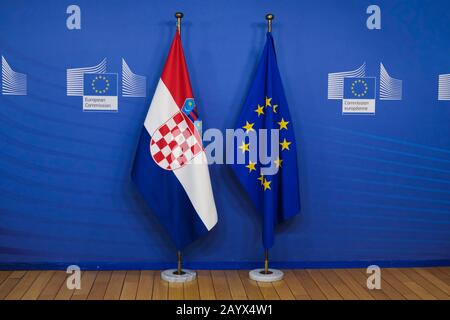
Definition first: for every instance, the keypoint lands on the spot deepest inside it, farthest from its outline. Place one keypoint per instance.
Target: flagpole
(266, 274)
(269, 18)
(178, 274)
(179, 16)
(266, 262)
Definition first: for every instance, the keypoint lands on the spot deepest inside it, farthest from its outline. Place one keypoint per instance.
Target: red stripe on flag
(175, 74)
(176, 78)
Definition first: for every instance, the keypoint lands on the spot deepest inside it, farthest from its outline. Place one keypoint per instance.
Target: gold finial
(269, 18)
(179, 16)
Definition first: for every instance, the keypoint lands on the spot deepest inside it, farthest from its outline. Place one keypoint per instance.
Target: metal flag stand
(178, 274)
(267, 274)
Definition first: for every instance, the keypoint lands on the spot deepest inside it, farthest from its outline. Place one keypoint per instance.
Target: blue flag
(275, 196)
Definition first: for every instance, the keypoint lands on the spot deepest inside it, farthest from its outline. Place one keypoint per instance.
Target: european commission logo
(359, 95)
(358, 92)
(100, 90)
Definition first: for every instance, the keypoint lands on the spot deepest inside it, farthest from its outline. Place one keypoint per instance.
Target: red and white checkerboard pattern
(173, 144)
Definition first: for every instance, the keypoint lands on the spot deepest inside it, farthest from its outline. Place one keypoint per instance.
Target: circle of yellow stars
(94, 82)
(359, 82)
(284, 145)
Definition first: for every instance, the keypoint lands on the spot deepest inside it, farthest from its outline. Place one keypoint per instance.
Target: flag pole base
(171, 275)
(272, 275)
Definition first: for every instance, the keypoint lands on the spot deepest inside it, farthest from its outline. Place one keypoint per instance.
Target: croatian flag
(170, 167)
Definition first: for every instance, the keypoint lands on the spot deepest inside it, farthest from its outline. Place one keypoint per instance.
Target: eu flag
(359, 88)
(100, 84)
(275, 196)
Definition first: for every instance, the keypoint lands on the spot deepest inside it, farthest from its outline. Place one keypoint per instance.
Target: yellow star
(285, 145)
(251, 166)
(266, 184)
(283, 124)
(278, 162)
(268, 102)
(259, 110)
(275, 106)
(248, 126)
(261, 178)
(245, 147)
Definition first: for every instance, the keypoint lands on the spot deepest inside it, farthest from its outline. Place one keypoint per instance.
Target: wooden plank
(360, 291)
(18, 274)
(221, 288)
(53, 286)
(297, 289)
(398, 273)
(283, 290)
(205, 285)
(130, 285)
(145, 286)
(398, 285)
(100, 285)
(191, 290)
(425, 283)
(7, 286)
(408, 282)
(115, 284)
(421, 292)
(340, 286)
(64, 293)
(175, 291)
(430, 277)
(23, 285)
(160, 288)
(324, 285)
(310, 286)
(440, 275)
(87, 280)
(446, 270)
(251, 287)
(38, 285)
(390, 290)
(235, 284)
(268, 291)
(360, 276)
(4, 275)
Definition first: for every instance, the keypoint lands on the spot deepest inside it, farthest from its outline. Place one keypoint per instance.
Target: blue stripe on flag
(166, 197)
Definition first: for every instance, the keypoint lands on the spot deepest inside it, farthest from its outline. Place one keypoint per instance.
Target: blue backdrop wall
(373, 188)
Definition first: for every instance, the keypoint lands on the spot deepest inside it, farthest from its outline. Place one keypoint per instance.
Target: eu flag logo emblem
(100, 84)
(100, 92)
(359, 95)
(359, 88)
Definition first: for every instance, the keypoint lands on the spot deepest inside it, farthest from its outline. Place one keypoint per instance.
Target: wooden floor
(337, 284)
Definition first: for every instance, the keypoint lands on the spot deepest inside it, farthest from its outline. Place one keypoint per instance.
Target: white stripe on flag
(162, 108)
(194, 176)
